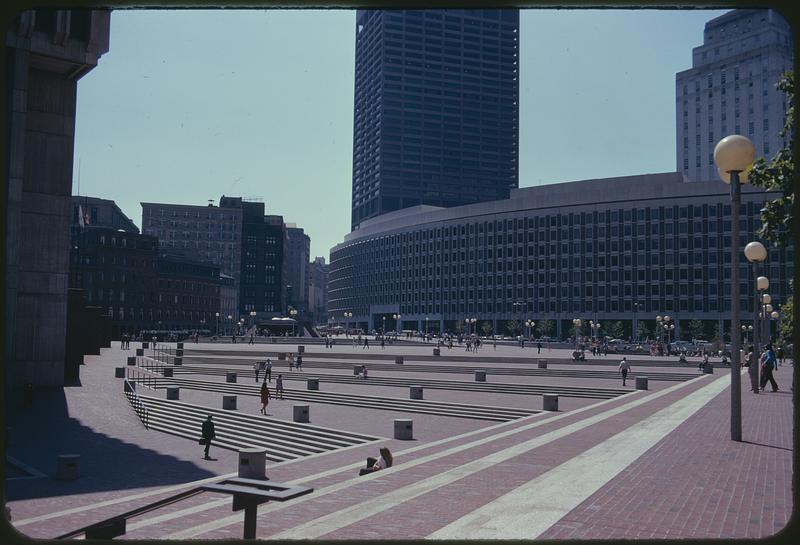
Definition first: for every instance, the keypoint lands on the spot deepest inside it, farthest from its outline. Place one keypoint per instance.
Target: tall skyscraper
(297, 256)
(730, 88)
(436, 109)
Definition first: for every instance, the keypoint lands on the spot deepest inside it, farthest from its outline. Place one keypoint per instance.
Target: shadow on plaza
(38, 433)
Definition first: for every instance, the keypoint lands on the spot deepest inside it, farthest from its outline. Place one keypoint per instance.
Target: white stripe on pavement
(529, 510)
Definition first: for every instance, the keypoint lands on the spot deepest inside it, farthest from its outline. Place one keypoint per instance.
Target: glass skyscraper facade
(436, 114)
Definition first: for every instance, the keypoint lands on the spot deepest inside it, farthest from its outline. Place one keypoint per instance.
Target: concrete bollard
(415, 392)
(398, 360)
(541, 364)
(253, 463)
(68, 467)
(128, 386)
(281, 355)
(177, 361)
(403, 429)
(131, 360)
(173, 393)
(230, 377)
(550, 402)
(356, 369)
(480, 376)
(140, 352)
(300, 413)
(312, 384)
(179, 346)
(119, 372)
(167, 371)
(641, 383)
(145, 344)
(179, 353)
(229, 403)
(436, 352)
(708, 369)
(301, 349)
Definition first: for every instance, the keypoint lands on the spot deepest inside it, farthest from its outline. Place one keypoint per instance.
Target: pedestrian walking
(279, 387)
(233, 338)
(366, 343)
(299, 364)
(264, 397)
(268, 369)
(779, 355)
(383, 343)
(624, 367)
(751, 364)
(207, 433)
(290, 358)
(704, 362)
(252, 338)
(768, 364)
(256, 369)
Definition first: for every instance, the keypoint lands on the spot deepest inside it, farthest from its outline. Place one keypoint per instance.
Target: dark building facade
(436, 108)
(47, 52)
(318, 290)
(101, 213)
(263, 242)
(117, 271)
(188, 295)
(622, 249)
(297, 256)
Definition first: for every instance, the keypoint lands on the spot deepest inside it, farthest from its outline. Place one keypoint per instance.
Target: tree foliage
(486, 328)
(545, 327)
(615, 329)
(642, 331)
(696, 329)
(513, 327)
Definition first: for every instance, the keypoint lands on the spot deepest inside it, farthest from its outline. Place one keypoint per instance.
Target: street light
(756, 254)
(530, 324)
(745, 330)
(734, 155)
(384, 325)
(577, 323)
(347, 316)
(636, 321)
(595, 327)
(396, 320)
(426, 328)
(229, 324)
(293, 313)
(660, 327)
(469, 322)
(216, 331)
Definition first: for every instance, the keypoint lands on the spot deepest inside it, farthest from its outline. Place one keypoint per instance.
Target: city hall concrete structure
(590, 249)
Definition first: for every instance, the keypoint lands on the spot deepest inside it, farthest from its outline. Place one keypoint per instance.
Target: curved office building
(619, 249)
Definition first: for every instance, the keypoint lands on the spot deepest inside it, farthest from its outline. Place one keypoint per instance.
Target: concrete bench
(253, 463)
(300, 413)
(641, 383)
(119, 372)
(230, 377)
(229, 403)
(541, 364)
(480, 376)
(550, 402)
(68, 467)
(404, 429)
(415, 392)
(312, 384)
(173, 393)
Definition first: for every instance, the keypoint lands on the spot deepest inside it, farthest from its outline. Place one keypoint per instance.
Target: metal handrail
(136, 402)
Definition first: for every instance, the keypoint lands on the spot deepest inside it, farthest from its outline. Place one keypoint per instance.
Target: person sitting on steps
(383, 462)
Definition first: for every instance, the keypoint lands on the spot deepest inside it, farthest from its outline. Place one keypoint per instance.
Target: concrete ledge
(173, 393)
(300, 413)
(541, 364)
(68, 467)
(641, 383)
(253, 463)
(230, 377)
(480, 376)
(404, 429)
(229, 403)
(415, 392)
(550, 402)
(119, 372)
(312, 384)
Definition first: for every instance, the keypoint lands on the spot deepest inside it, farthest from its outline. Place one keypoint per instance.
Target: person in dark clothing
(386, 460)
(208, 434)
(279, 387)
(538, 348)
(768, 363)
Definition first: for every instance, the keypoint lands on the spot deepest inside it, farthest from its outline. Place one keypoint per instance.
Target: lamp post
(733, 155)
(745, 330)
(383, 331)
(426, 328)
(347, 316)
(766, 308)
(660, 327)
(635, 332)
(293, 314)
(396, 322)
(216, 330)
(775, 316)
(755, 254)
(577, 323)
(253, 314)
(530, 324)
(667, 326)
(595, 327)
(469, 322)
(229, 324)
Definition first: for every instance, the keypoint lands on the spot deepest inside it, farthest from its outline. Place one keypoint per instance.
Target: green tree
(545, 327)
(486, 328)
(696, 329)
(513, 326)
(459, 326)
(642, 331)
(786, 325)
(615, 329)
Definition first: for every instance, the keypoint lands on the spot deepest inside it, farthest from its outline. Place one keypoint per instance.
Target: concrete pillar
(541, 364)
(173, 393)
(708, 369)
(119, 372)
(641, 383)
(167, 371)
(403, 429)
(253, 463)
(179, 346)
(550, 402)
(145, 345)
(229, 403)
(398, 359)
(230, 377)
(312, 384)
(437, 352)
(300, 413)
(179, 353)
(68, 467)
(131, 360)
(415, 392)
(140, 352)
(480, 376)
(301, 349)
(177, 361)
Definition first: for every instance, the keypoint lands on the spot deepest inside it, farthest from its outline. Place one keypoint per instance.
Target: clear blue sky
(190, 105)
